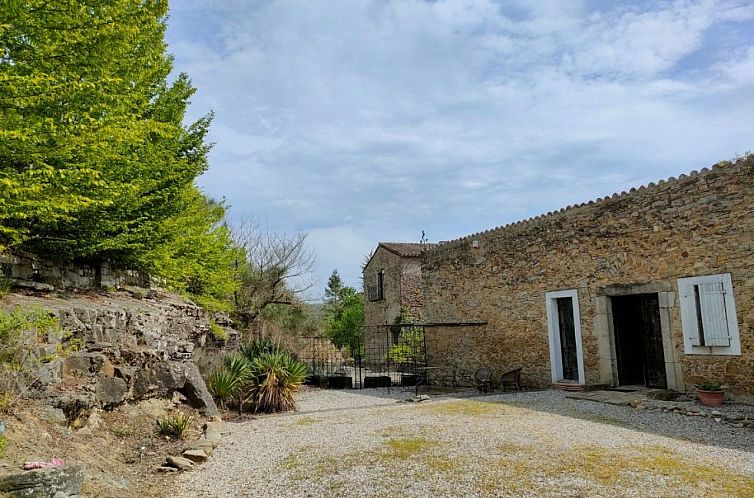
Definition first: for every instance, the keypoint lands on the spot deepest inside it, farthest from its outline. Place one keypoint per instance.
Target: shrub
(223, 386)
(217, 331)
(2, 445)
(22, 331)
(262, 374)
(257, 347)
(174, 426)
(277, 377)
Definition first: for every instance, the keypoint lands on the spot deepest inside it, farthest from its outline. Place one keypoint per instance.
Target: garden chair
(511, 378)
(483, 379)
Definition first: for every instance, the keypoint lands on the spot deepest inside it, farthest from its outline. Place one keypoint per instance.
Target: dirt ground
(120, 449)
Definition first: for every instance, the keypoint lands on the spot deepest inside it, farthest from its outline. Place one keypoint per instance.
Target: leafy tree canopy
(95, 161)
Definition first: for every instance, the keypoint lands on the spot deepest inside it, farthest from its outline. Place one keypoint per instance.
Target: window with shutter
(708, 315)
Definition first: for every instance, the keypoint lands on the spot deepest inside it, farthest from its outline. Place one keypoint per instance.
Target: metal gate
(385, 356)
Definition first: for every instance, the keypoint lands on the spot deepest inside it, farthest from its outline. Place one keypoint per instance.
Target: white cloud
(367, 120)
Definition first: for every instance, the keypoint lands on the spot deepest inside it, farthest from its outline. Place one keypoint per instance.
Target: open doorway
(638, 340)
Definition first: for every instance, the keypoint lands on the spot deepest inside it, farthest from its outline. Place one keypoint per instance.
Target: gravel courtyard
(351, 443)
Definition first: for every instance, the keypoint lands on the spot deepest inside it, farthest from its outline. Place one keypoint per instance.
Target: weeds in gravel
(405, 448)
(466, 407)
(305, 422)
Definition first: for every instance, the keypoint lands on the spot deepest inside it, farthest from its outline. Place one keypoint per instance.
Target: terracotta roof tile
(405, 249)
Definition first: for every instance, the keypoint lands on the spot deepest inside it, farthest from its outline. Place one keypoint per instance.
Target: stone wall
(383, 311)
(411, 294)
(130, 348)
(645, 239)
(25, 270)
(380, 313)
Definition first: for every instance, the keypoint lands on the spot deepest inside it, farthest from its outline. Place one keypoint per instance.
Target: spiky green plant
(174, 426)
(257, 347)
(223, 385)
(277, 378)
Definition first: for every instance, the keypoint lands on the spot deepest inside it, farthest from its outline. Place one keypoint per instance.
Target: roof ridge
(623, 194)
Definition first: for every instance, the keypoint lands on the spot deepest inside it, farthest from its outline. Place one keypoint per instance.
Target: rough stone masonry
(634, 242)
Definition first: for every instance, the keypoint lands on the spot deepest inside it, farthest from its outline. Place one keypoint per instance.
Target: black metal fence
(386, 356)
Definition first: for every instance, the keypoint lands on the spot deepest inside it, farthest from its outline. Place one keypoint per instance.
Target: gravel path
(364, 443)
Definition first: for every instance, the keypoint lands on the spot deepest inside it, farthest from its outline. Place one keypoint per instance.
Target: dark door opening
(567, 339)
(638, 340)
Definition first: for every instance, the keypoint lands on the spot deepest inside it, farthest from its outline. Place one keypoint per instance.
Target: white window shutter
(688, 313)
(714, 317)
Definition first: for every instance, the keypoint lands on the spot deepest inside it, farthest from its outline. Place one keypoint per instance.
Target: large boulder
(110, 391)
(196, 391)
(43, 483)
(159, 379)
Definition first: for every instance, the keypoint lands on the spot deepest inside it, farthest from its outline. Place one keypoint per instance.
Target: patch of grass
(466, 407)
(528, 470)
(305, 421)
(441, 464)
(292, 462)
(405, 448)
(122, 431)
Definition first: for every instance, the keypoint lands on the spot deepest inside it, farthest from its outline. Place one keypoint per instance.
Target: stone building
(650, 287)
(392, 279)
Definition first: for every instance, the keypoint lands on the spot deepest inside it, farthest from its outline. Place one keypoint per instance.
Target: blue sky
(360, 121)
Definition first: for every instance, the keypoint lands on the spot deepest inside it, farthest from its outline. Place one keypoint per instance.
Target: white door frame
(553, 326)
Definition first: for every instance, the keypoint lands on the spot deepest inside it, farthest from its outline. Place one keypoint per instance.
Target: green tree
(95, 161)
(344, 314)
(334, 288)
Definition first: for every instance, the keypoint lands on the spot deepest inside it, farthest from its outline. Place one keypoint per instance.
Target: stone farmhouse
(392, 291)
(651, 287)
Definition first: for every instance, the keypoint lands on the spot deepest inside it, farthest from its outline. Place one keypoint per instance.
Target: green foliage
(3, 445)
(410, 346)
(277, 377)
(175, 425)
(257, 347)
(230, 381)
(410, 340)
(262, 374)
(22, 332)
(223, 386)
(344, 319)
(5, 285)
(217, 331)
(710, 386)
(95, 160)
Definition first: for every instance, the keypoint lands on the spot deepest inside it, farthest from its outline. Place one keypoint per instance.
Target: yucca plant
(257, 347)
(277, 378)
(174, 426)
(223, 385)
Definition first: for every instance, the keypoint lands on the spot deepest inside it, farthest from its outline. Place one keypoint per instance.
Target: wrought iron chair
(511, 378)
(483, 379)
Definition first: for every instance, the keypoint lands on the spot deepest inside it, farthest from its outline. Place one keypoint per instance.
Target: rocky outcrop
(55, 482)
(129, 349)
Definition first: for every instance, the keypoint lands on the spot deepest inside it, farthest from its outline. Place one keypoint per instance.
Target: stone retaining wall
(25, 268)
(640, 241)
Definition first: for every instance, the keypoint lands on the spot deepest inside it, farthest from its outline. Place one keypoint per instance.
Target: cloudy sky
(360, 121)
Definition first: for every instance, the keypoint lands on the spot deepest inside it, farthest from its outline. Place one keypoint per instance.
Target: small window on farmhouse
(376, 286)
(708, 315)
(381, 285)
